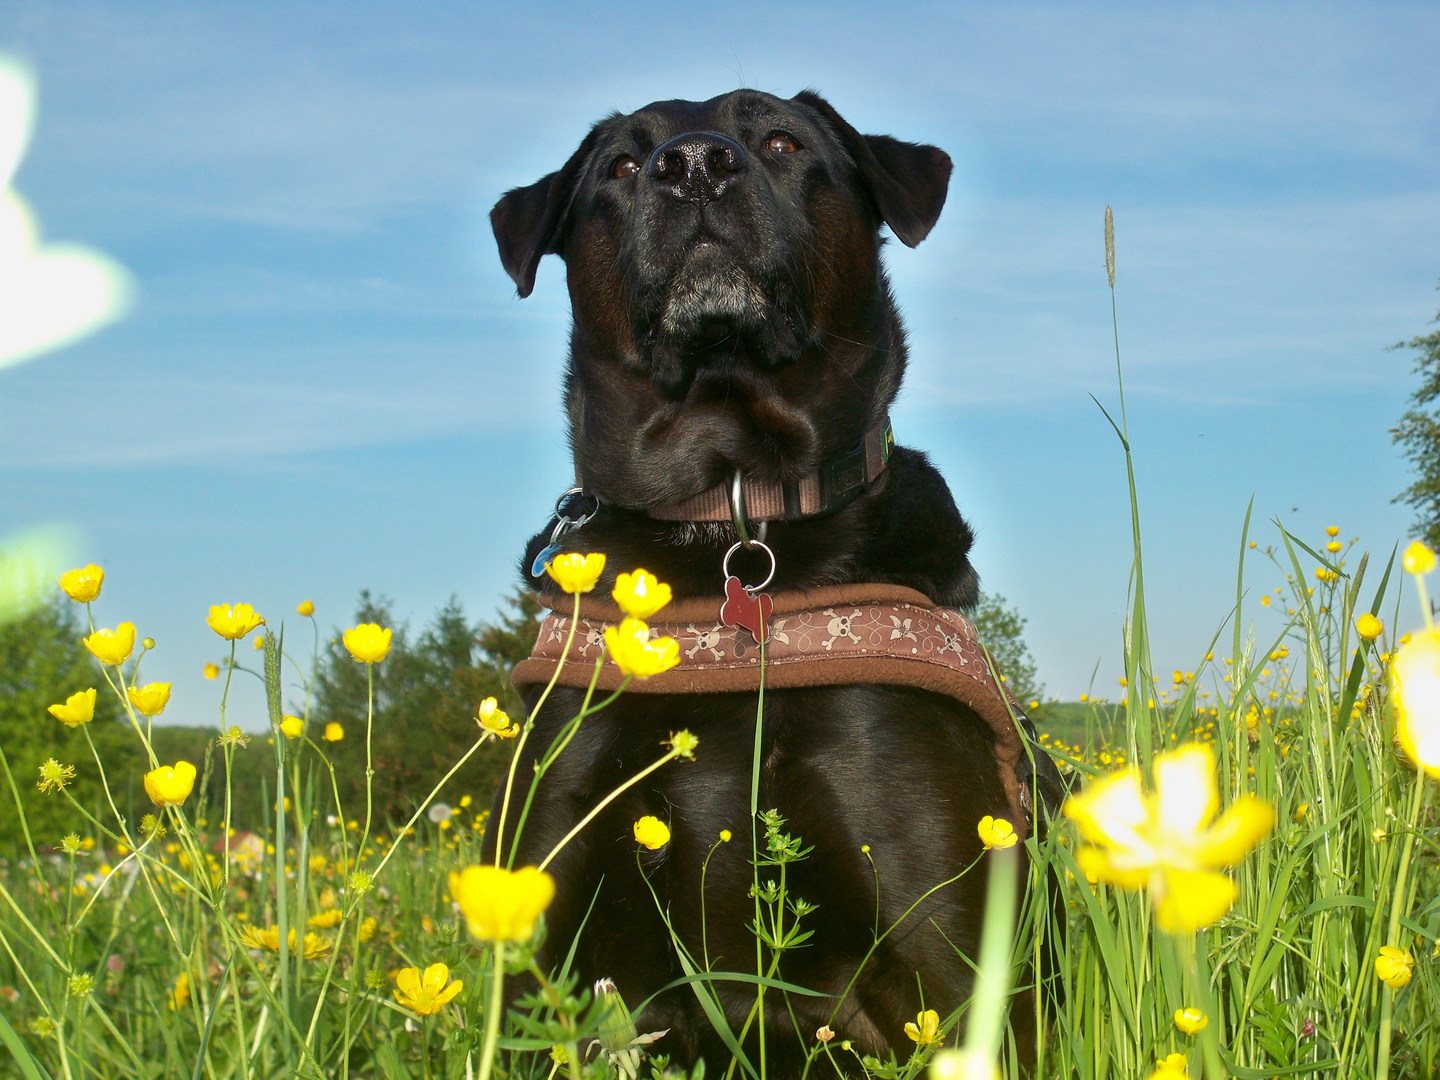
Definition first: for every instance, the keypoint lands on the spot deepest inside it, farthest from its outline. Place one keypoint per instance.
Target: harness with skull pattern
(833, 636)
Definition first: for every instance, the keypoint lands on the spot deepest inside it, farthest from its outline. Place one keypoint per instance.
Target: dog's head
(730, 306)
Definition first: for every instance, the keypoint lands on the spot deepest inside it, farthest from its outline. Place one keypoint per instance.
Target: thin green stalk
(492, 1018)
(525, 733)
(991, 997)
(580, 825)
(562, 740)
(1392, 938)
(369, 762)
(755, 760)
(25, 830)
(421, 808)
(282, 910)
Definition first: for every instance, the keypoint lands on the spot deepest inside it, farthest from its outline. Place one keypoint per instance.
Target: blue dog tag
(548, 552)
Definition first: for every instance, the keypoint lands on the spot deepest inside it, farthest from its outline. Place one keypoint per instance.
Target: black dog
(731, 311)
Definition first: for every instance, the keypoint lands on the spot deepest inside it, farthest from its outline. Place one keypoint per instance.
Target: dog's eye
(626, 166)
(781, 143)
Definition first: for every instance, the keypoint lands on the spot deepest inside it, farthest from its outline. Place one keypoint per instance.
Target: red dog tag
(750, 612)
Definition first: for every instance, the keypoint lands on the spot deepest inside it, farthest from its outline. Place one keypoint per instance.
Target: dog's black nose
(698, 166)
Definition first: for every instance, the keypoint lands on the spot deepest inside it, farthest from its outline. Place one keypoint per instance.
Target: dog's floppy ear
(529, 222)
(908, 181)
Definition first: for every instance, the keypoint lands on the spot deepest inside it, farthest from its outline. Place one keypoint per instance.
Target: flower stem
(562, 740)
(671, 756)
(1397, 903)
(525, 734)
(492, 1020)
(422, 807)
(369, 763)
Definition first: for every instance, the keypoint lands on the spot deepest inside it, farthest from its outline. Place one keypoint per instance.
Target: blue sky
(327, 383)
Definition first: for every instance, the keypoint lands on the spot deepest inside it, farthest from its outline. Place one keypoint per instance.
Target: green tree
(1419, 433)
(42, 662)
(426, 694)
(1002, 631)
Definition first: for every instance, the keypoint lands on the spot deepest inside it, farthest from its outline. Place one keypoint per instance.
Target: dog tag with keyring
(745, 605)
(564, 523)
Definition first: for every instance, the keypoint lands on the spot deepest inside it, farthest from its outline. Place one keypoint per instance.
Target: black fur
(731, 311)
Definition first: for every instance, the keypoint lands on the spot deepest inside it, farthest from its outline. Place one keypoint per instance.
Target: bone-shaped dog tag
(742, 609)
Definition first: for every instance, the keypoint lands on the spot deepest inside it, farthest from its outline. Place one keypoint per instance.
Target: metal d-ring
(563, 521)
(725, 563)
(737, 513)
(575, 523)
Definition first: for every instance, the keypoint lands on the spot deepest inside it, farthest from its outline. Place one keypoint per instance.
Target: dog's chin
(703, 307)
(712, 323)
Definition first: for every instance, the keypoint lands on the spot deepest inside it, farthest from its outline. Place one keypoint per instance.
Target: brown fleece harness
(834, 636)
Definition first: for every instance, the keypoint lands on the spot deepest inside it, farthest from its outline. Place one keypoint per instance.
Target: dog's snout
(698, 166)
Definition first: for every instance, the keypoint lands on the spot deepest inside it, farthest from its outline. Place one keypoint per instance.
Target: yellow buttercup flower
(925, 1031)
(1394, 966)
(996, 833)
(368, 643)
(1418, 558)
(640, 594)
(334, 732)
(151, 699)
(493, 719)
(1191, 1021)
(112, 647)
(255, 937)
(170, 785)
(1333, 546)
(305, 608)
(1171, 1067)
(1415, 688)
(212, 671)
(78, 709)
(327, 920)
(500, 904)
(1168, 841)
(292, 727)
(634, 653)
(83, 585)
(652, 832)
(259, 643)
(426, 994)
(180, 992)
(269, 939)
(1369, 627)
(1332, 530)
(233, 621)
(576, 573)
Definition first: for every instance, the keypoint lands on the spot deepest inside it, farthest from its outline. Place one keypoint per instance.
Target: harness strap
(835, 636)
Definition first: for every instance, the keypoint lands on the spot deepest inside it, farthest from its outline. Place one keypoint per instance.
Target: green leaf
(1242, 1073)
(29, 1067)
